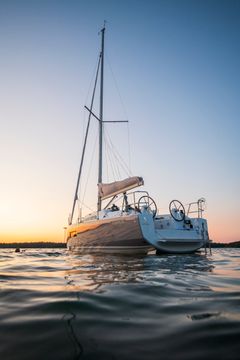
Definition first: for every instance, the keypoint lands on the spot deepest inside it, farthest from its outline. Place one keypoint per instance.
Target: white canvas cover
(118, 187)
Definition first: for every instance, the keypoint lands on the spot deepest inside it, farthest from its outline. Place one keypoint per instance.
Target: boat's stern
(167, 235)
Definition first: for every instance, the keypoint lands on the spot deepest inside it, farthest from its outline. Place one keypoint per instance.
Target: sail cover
(118, 187)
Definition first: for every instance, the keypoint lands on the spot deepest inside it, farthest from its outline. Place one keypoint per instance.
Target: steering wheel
(177, 210)
(148, 203)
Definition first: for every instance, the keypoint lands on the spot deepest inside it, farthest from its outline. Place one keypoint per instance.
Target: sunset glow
(177, 69)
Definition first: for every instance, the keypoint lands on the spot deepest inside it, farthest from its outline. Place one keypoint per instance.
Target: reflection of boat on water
(98, 272)
(133, 225)
(92, 272)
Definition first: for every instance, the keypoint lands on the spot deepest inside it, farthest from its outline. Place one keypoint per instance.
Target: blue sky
(176, 65)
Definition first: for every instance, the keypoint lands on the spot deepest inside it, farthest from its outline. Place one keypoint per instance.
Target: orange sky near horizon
(220, 229)
(177, 70)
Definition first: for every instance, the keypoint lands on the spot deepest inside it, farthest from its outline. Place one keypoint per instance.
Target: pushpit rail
(196, 207)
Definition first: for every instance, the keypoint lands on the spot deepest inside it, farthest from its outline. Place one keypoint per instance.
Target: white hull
(176, 240)
(179, 246)
(136, 234)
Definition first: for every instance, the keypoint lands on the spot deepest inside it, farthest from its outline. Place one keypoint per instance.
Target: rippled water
(58, 306)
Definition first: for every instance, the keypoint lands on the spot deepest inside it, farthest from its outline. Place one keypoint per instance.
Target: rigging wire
(123, 107)
(115, 158)
(113, 164)
(93, 79)
(95, 71)
(117, 155)
(84, 146)
(90, 168)
(116, 85)
(106, 157)
(88, 207)
(129, 149)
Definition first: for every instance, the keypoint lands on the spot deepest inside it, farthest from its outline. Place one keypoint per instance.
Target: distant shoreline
(235, 244)
(33, 245)
(54, 245)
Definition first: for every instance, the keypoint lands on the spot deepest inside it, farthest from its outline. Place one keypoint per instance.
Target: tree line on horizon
(39, 244)
(42, 244)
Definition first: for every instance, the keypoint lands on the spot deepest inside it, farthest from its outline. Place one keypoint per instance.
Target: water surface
(55, 305)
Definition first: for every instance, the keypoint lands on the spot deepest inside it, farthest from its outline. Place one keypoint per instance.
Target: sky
(172, 71)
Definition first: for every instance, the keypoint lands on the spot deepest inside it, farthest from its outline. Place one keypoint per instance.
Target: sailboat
(134, 226)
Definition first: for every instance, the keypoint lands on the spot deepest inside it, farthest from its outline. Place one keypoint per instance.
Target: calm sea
(58, 306)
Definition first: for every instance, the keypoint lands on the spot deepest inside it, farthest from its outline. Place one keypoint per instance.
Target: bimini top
(117, 187)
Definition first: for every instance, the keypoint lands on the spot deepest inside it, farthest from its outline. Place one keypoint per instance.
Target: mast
(101, 118)
(101, 121)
